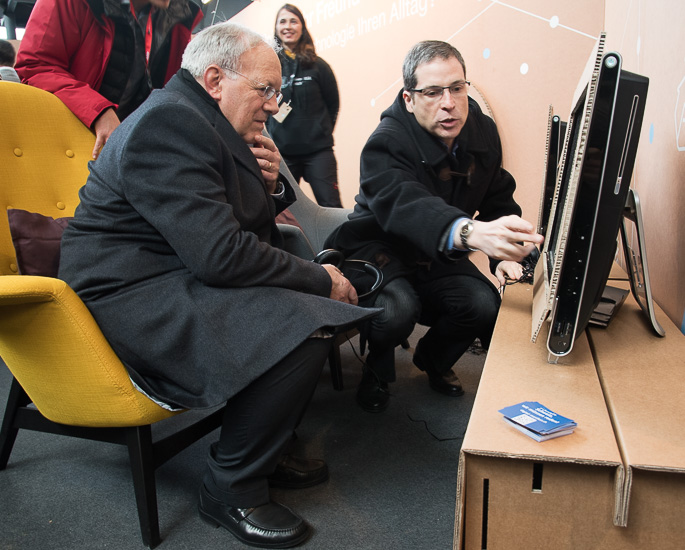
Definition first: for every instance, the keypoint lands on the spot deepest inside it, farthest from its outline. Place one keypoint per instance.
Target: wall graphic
(649, 37)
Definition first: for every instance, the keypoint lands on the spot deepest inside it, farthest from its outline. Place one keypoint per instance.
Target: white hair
(222, 44)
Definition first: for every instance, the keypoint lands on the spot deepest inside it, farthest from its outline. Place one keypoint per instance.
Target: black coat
(171, 250)
(412, 190)
(313, 95)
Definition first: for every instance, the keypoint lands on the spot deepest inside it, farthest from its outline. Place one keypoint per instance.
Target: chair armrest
(23, 289)
(55, 349)
(295, 241)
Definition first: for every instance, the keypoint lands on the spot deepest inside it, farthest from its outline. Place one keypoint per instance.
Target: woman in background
(303, 128)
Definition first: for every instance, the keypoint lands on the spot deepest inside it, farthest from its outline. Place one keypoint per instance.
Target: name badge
(283, 112)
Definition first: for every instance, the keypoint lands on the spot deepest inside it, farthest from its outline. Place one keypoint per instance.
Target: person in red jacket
(103, 57)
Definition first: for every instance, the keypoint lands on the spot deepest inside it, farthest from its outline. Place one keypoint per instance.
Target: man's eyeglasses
(434, 93)
(267, 91)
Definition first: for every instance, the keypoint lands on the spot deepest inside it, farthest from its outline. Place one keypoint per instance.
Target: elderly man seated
(175, 251)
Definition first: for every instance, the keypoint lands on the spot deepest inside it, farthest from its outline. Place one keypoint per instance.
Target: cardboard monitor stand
(556, 131)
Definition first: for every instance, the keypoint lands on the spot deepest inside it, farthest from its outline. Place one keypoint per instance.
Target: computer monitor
(556, 130)
(592, 185)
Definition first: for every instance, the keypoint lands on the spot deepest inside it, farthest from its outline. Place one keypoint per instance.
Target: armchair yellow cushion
(56, 351)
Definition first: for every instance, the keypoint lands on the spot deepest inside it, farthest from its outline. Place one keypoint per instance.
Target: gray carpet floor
(392, 484)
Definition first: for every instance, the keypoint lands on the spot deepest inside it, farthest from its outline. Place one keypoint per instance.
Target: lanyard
(148, 32)
(289, 65)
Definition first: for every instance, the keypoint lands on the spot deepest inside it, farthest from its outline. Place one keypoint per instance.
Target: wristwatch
(464, 231)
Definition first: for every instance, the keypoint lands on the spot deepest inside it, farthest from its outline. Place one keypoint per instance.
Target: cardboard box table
(590, 489)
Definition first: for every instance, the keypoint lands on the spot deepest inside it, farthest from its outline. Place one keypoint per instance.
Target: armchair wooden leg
(8, 434)
(140, 451)
(335, 364)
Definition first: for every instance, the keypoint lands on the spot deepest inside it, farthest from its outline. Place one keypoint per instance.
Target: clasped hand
(341, 289)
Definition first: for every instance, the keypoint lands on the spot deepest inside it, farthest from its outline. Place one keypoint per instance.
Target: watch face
(466, 230)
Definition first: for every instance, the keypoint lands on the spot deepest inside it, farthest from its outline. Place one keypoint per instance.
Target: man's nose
(447, 101)
(271, 105)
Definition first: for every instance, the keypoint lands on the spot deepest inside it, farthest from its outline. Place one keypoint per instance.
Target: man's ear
(212, 78)
(408, 102)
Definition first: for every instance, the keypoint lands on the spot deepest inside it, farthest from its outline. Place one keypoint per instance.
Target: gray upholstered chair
(316, 223)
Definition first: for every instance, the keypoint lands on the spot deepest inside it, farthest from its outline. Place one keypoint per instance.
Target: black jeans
(258, 426)
(320, 170)
(458, 308)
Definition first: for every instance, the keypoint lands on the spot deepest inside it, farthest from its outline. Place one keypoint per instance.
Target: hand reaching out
(501, 238)
(103, 127)
(507, 270)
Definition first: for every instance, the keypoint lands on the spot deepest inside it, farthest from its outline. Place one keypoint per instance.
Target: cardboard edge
(622, 503)
(540, 308)
(662, 469)
(624, 486)
(541, 458)
(460, 503)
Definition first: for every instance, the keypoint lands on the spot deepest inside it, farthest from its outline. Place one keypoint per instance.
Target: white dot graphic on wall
(486, 53)
(554, 22)
(524, 68)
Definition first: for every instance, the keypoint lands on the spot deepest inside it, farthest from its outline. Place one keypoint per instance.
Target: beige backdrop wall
(522, 55)
(651, 41)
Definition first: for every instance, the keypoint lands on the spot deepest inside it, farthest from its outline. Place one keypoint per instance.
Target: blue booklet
(537, 419)
(536, 436)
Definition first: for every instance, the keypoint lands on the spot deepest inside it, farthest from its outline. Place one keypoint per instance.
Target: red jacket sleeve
(64, 51)
(180, 37)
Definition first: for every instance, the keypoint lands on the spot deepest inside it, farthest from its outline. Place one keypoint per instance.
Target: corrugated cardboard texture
(517, 370)
(643, 376)
(570, 508)
(633, 381)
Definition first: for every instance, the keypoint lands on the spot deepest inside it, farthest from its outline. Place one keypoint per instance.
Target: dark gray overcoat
(174, 250)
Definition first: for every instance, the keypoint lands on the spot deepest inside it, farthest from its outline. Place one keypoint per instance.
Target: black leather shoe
(271, 525)
(372, 394)
(297, 473)
(446, 384)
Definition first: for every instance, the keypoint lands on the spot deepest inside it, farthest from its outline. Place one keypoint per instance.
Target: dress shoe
(372, 394)
(271, 525)
(297, 473)
(447, 384)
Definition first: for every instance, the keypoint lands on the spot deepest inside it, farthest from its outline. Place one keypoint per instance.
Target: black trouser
(320, 170)
(458, 308)
(258, 426)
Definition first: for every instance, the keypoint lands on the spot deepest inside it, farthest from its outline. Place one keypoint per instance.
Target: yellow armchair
(59, 358)
(42, 319)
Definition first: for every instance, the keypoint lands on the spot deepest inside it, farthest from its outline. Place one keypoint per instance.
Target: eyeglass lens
(436, 92)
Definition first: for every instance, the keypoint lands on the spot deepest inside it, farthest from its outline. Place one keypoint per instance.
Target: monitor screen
(592, 185)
